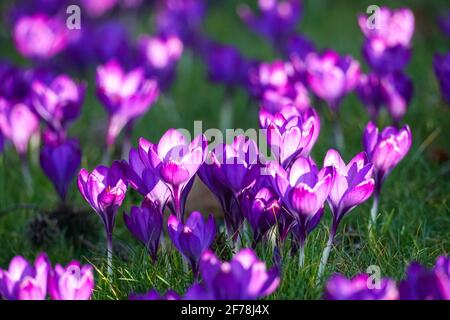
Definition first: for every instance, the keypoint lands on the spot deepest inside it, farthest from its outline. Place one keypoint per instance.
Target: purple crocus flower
(262, 209)
(193, 238)
(95, 8)
(104, 189)
(126, 96)
(145, 224)
(385, 150)
(370, 93)
(441, 65)
(291, 136)
(352, 185)
(388, 41)
(58, 103)
(360, 287)
(298, 47)
(160, 55)
(60, 162)
(245, 277)
(74, 282)
(444, 23)
(303, 189)
(423, 284)
(176, 162)
(18, 124)
(397, 90)
(276, 21)
(24, 281)
(331, 76)
(40, 36)
(154, 295)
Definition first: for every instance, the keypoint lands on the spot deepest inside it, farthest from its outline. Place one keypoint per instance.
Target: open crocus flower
(176, 162)
(245, 277)
(60, 162)
(74, 282)
(303, 189)
(58, 103)
(441, 65)
(262, 210)
(160, 55)
(155, 295)
(18, 124)
(293, 136)
(40, 36)
(23, 281)
(397, 90)
(104, 189)
(126, 96)
(276, 21)
(145, 224)
(385, 150)
(331, 76)
(423, 284)
(193, 238)
(388, 39)
(360, 287)
(352, 185)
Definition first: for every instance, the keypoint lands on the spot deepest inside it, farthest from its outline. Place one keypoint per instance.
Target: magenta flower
(388, 42)
(193, 238)
(95, 8)
(176, 162)
(60, 162)
(145, 224)
(126, 96)
(58, 103)
(104, 189)
(245, 277)
(40, 36)
(352, 185)
(397, 90)
(359, 288)
(276, 21)
(23, 281)
(441, 65)
(154, 295)
(331, 76)
(74, 282)
(18, 124)
(423, 284)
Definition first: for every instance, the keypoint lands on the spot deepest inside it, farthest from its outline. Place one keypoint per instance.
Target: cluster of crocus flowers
(385, 150)
(387, 50)
(419, 284)
(25, 281)
(125, 95)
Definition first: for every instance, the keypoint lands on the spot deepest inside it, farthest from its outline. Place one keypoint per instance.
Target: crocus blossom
(24, 281)
(397, 90)
(441, 64)
(244, 277)
(73, 282)
(192, 238)
(104, 189)
(370, 93)
(145, 224)
(444, 23)
(126, 96)
(60, 162)
(360, 287)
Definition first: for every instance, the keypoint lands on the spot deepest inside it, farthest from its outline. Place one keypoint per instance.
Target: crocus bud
(74, 282)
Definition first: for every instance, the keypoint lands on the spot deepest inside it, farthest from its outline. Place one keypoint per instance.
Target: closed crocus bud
(60, 162)
(176, 161)
(24, 281)
(441, 65)
(154, 295)
(74, 282)
(331, 76)
(126, 96)
(18, 124)
(397, 90)
(145, 224)
(40, 36)
(276, 20)
(262, 210)
(193, 238)
(245, 277)
(423, 284)
(361, 287)
(58, 103)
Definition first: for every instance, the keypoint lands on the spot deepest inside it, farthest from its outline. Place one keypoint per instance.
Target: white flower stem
(325, 255)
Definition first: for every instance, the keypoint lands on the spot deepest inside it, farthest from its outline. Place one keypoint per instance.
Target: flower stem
(326, 254)
(109, 249)
(28, 179)
(226, 112)
(301, 257)
(337, 133)
(126, 145)
(374, 211)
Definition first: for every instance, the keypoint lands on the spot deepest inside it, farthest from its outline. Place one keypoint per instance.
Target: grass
(414, 219)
